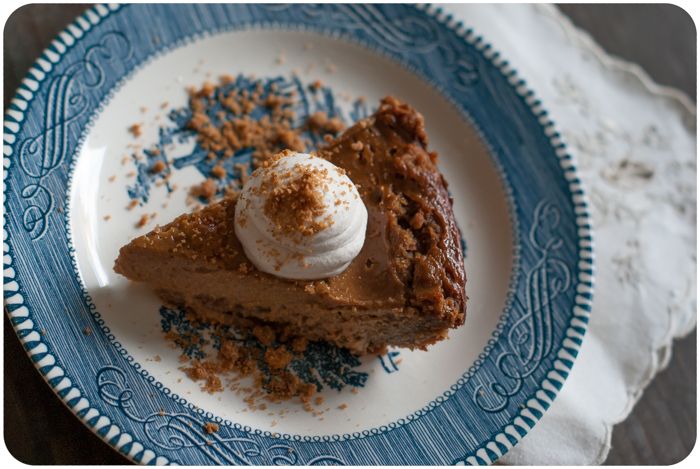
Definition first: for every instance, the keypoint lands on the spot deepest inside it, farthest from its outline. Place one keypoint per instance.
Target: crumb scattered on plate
(211, 427)
(142, 221)
(135, 130)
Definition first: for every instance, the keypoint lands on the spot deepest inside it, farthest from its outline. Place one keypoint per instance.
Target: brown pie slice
(405, 288)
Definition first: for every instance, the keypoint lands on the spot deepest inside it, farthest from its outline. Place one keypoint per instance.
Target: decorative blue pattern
(524, 364)
(530, 338)
(175, 431)
(66, 100)
(304, 100)
(321, 364)
(389, 361)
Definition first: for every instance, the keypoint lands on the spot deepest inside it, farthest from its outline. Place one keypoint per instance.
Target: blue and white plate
(72, 168)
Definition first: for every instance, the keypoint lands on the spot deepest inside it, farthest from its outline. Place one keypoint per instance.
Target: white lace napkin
(635, 145)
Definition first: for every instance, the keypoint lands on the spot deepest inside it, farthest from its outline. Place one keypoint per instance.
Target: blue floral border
(514, 427)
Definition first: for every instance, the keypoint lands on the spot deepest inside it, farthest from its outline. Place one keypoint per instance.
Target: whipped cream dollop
(300, 217)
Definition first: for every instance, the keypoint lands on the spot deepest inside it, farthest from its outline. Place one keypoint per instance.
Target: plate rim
(489, 451)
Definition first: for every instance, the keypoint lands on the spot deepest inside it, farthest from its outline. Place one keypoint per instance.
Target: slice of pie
(405, 288)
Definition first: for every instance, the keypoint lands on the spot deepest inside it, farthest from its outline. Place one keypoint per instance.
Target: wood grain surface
(38, 429)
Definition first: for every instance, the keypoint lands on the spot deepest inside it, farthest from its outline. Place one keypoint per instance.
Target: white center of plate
(101, 224)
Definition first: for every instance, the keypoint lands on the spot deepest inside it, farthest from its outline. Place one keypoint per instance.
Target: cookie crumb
(87, 330)
(206, 189)
(231, 193)
(224, 130)
(278, 358)
(157, 167)
(265, 334)
(132, 204)
(296, 202)
(143, 220)
(343, 406)
(299, 344)
(211, 427)
(135, 130)
(320, 122)
(218, 172)
(243, 169)
(107, 217)
(112, 178)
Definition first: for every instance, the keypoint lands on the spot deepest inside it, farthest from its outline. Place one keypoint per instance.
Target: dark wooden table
(662, 427)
